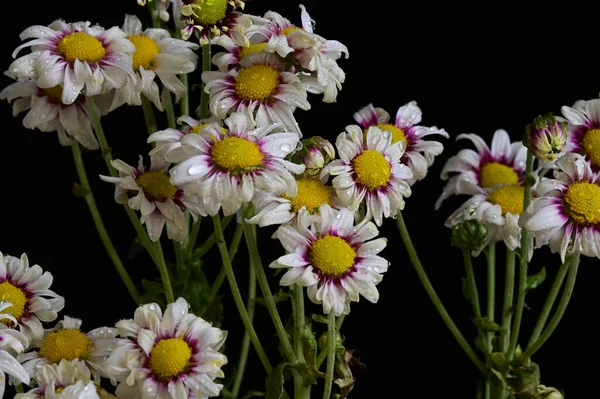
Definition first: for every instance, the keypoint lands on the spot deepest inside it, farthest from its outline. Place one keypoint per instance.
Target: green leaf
(79, 191)
(309, 349)
(345, 378)
(281, 296)
(465, 290)
(319, 318)
(486, 324)
(253, 394)
(535, 280)
(275, 382)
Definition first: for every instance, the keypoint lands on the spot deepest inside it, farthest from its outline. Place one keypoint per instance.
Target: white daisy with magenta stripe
(584, 130)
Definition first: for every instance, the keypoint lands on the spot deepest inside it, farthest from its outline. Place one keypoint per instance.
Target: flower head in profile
(419, 154)
(565, 215)
(67, 342)
(474, 171)
(315, 153)
(156, 54)
(584, 130)
(47, 112)
(331, 256)
(75, 58)
(170, 355)
(11, 342)
(28, 290)
(151, 192)
(226, 169)
(67, 379)
(370, 170)
(213, 18)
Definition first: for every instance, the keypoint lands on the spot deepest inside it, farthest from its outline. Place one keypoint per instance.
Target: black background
(470, 69)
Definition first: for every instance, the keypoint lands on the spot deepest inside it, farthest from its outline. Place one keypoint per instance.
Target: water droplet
(338, 216)
(195, 169)
(285, 147)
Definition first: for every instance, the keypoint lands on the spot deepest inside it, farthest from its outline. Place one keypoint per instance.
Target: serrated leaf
(345, 378)
(79, 191)
(466, 291)
(309, 349)
(275, 382)
(319, 318)
(535, 280)
(486, 324)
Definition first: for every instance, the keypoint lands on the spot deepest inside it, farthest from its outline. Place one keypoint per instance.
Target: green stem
(321, 356)
(474, 296)
(298, 309)
(414, 258)
(152, 7)
(104, 237)
(251, 303)
(331, 339)
(170, 111)
(523, 261)
(491, 290)
(210, 241)
(193, 236)
(184, 103)
(560, 310)
(149, 116)
(509, 288)
(237, 296)
(487, 388)
(249, 233)
(164, 272)
(340, 321)
(202, 111)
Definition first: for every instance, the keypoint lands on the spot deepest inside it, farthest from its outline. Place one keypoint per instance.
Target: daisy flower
(78, 57)
(234, 54)
(28, 290)
(168, 141)
(261, 87)
(156, 54)
(370, 169)
(175, 355)
(331, 257)
(159, 201)
(226, 169)
(584, 130)
(566, 211)
(11, 341)
(67, 379)
(419, 154)
(212, 18)
(503, 163)
(47, 112)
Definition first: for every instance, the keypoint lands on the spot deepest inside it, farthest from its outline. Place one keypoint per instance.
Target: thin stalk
(170, 111)
(331, 338)
(523, 261)
(149, 115)
(237, 296)
(184, 103)
(509, 288)
(323, 354)
(250, 235)
(560, 309)
(210, 241)
(339, 322)
(245, 349)
(474, 294)
(298, 309)
(164, 272)
(193, 236)
(206, 63)
(491, 289)
(414, 258)
(104, 236)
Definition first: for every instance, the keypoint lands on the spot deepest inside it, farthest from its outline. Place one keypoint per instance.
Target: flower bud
(316, 152)
(548, 393)
(546, 137)
(322, 341)
(469, 235)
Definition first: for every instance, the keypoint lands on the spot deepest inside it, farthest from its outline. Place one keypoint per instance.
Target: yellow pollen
(372, 169)
(145, 51)
(312, 193)
(510, 198)
(67, 344)
(236, 154)
(591, 145)
(495, 173)
(289, 29)
(156, 185)
(257, 82)
(332, 255)
(196, 129)
(81, 46)
(169, 358)
(251, 49)
(54, 93)
(397, 133)
(582, 200)
(14, 295)
(210, 12)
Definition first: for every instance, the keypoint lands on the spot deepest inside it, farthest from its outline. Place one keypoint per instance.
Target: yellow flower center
(495, 173)
(54, 93)
(251, 49)
(235, 154)
(156, 185)
(196, 129)
(67, 344)
(257, 82)
(591, 145)
(14, 295)
(582, 200)
(289, 29)
(372, 169)
(145, 51)
(397, 133)
(332, 255)
(209, 12)
(312, 193)
(169, 358)
(510, 198)
(81, 46)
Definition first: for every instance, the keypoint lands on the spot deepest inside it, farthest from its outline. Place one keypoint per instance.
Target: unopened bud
(322, 341)
(548, 393)
(316, 152)
(546, 137)
(469, 235)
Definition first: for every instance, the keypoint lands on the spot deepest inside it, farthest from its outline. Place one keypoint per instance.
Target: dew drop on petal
(195, 169)
(285, 147)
